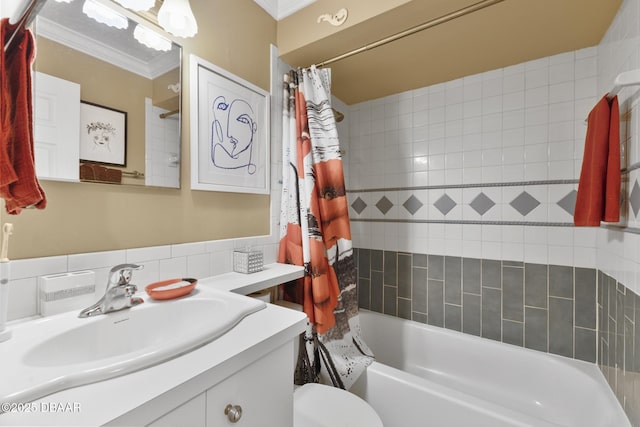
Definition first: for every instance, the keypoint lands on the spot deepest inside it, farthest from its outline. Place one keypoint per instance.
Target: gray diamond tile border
(482, 203)
(412, 204)
(524, 203)
(384, 205)
(359, 205)
(568, 202)
(444, 204)
(634, 198)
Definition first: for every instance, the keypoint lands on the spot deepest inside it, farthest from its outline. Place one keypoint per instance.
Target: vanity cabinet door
(263, 391)
(191, 414)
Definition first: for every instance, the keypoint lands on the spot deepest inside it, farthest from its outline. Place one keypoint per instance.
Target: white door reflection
(56, 123)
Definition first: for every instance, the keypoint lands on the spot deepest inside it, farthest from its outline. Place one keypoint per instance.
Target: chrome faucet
(119, 292)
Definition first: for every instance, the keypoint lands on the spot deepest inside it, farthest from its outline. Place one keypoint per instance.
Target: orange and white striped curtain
(315, 233)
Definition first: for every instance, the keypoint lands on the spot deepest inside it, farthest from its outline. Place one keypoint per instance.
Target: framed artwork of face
(229, 130)
(103, 134)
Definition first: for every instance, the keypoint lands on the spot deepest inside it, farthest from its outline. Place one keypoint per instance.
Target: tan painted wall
(504, 34)
(233, 34)
(162, 96)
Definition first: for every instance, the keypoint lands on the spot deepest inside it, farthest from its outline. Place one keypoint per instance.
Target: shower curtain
(315, 233)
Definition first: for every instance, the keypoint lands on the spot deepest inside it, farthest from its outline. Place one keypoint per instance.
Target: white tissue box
(247, 261)
(67, 291)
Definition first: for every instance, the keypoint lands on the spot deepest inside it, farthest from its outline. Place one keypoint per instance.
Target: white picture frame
(230, 131)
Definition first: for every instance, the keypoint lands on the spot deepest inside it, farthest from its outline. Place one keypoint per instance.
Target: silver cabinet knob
(233, 412)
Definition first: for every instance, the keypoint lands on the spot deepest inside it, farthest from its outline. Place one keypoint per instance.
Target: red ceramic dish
(177, 292)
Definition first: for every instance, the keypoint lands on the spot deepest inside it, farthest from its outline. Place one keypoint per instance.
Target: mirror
(106, 106)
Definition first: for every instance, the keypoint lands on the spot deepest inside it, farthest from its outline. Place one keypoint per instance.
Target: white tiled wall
(162, 148)
(520, 123)
(200, 259)
(523, 123)
(619, 51)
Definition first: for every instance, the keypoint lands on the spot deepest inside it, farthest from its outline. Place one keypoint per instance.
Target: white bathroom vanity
(246, 373)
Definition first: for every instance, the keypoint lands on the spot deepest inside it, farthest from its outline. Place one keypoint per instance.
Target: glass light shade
(151, 39)
(104, 15)
(137, 5)
(176, 17)
(64, 1)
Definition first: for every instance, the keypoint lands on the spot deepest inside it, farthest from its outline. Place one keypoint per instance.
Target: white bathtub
(429, 376)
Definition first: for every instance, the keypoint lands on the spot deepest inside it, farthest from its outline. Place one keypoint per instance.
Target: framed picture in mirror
(103, 134)
(229, 131)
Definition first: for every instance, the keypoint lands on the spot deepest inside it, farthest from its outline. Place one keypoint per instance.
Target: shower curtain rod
(169, 113)
(429, 24)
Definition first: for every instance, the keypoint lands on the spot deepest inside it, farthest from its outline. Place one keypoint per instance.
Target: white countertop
(271, 275)
(102, 402)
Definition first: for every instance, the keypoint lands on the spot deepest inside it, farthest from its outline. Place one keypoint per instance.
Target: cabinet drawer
(263, 391)
(191, 413)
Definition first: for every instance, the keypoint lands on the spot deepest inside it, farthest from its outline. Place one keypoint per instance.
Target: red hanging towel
(19, 185)
(598, 196)
(7, 173)
(612, 193)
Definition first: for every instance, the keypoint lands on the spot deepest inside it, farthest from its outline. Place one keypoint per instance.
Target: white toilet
(318, 405)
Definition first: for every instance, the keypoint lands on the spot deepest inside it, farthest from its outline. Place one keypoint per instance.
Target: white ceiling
(280, 9)
(66, 24)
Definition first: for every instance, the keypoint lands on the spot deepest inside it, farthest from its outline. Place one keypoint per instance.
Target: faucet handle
(120, 275)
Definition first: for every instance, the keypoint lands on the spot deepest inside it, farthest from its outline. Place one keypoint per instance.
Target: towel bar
(27, 15)
(628, 78)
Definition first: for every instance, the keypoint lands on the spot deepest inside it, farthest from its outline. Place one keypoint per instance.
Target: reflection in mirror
(106, 97)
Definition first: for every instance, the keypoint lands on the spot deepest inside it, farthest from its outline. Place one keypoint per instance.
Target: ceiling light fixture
(104, 15)
(151, 39)
(176, 17)
(137, 5)
(64, 1)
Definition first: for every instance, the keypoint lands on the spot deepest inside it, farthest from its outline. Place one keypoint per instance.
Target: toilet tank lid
(288, 304)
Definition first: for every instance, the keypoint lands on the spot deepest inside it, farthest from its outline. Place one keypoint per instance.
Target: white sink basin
(59, 352)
